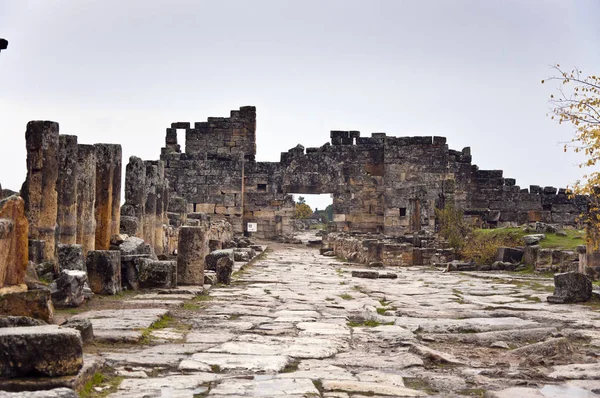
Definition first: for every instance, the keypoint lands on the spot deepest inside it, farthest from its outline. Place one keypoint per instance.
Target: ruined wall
(381, 184)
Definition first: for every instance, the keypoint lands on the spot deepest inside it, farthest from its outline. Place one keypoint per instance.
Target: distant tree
(303, 210)
(301, 200)
(578, 103)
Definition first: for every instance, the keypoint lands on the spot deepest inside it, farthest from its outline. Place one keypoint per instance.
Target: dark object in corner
(3, 44)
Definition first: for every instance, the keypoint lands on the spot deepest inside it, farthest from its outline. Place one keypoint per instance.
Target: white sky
(122, 71)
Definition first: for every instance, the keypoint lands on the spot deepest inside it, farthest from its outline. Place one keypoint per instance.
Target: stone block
(213, 257)
(34, 303)
(157, 274)
(224, 269)
(104, 271)
(192, 247)
(67, 289)
(84, 326)
(130, 226)
(40, 351)
(19, 321)
(70, 257)
(571, 287)
(530, 255)
(365, 274)
(509, 254)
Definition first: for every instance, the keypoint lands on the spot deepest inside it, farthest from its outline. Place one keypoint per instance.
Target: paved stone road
(297, 324)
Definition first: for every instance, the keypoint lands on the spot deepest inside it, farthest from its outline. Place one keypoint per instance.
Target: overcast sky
(121, 71)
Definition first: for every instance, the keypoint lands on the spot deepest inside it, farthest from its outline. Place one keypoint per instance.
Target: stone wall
(379, 184)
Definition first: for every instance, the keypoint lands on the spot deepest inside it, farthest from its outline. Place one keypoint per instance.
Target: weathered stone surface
(157, 274)
(35, 304)
(86, 197)
(213, 257)
(62, 392)
(14, 244)
(66, 187)
(40, 350)
(39, 189)
(70, 257)
(104, 271)
(533, 239)
(16, 321)
(135, 197)
(191, 250)
(84, 326)
(107, 177)
(117, 159)
(67, 289)
(224, 270)
(365, 274)
(509, 255)
(571, 287)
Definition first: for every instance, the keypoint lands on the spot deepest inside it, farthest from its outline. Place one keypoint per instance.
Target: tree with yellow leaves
(578, 103)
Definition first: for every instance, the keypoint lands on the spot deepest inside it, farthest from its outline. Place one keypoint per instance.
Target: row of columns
(72, 191)
(146, 201)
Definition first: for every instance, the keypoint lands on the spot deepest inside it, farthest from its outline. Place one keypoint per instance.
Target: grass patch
(291, 367)
(329, 299)
(473, 392)
(202, 297)
(381, 311)
(529, 297)
(164, 322)
(572, 239)
(368, 323)
(258, 257)
(110, 381)
(191, 306)
(419, 384)
(215, 369)
(346, 296)
(234, 317)
(319, 386)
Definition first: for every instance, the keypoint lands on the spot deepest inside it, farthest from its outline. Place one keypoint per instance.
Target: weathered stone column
(104, 195)
(66, 187)
(159, 234)
(14, 243)
(135, 191)
(150, 214)
(86, 197)
(192, 247)
(116, 190)
(39, 190)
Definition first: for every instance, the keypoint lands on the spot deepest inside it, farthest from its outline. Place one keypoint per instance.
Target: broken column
(150, 206)
(192, 247)
(159, 235)
(104, 271)
(135, 198)
(66, 187)
(14, 243)
(117, 156)
(39, 189)
(108, 178)
(86, 197)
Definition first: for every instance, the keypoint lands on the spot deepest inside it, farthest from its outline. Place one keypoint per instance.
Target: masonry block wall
(379, 184)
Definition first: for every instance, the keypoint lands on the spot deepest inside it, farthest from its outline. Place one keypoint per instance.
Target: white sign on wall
(252, 227)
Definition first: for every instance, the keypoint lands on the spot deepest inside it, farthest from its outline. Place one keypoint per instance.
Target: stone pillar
(104, 195)
(116, 189)
(150, 214)
(14, 243)
(104, 271)
(39, 190)
(66, 187)
(86, 197)
(159, 235)
(135, 191)
(192, 247)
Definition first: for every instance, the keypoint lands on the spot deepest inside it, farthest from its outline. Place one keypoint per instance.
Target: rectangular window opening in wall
(261, 187)
(403, 212)
(195, 207)
(181, 139)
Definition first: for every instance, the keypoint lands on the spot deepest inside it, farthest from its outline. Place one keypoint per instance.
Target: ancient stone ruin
(183, 228)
